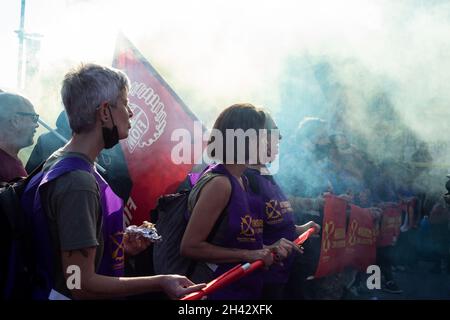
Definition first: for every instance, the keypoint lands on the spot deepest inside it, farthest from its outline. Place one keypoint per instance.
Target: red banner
(360, 250)
(391, 221)
(158, 111)
(333, 237)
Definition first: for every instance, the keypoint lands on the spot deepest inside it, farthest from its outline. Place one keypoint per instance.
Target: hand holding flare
(238, 272)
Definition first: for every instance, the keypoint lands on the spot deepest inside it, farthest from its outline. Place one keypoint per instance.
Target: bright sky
(76, 30)
(217, 52)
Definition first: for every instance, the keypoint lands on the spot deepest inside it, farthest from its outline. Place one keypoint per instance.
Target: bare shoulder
(219, 183)
(217, 190)
(213, 197)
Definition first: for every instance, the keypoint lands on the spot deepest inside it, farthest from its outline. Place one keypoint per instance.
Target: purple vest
(112, 262)
(244, 231)
(278, 221)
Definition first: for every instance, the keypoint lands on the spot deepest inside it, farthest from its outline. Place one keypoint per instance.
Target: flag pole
(20, 34)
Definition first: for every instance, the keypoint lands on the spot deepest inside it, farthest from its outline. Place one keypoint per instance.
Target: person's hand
(264, 254)
(134, 244)
(176, 286)
(311, 224)
(282, 249)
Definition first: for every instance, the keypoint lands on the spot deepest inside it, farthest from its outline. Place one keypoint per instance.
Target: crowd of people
(333, 165)
(240, 214)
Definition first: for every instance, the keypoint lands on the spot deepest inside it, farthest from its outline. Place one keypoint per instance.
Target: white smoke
(215, 53)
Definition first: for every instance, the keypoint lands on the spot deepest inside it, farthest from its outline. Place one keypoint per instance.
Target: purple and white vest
(244, 231)
(112, 262)
(278, 221)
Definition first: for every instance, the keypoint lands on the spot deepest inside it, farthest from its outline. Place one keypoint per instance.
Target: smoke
(374, 69)
(378, 71)
(383, 83)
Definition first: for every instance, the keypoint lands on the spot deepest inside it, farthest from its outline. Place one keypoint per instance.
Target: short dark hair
(243, 116)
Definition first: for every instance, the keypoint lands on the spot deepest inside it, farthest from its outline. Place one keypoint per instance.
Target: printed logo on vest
(273, 211)
(246, 226)
(118, 253)
(249, 228)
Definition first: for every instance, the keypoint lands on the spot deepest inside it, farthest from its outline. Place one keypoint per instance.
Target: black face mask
(110, 136)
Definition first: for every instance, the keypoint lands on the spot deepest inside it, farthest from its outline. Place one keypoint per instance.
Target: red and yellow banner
(333, 243)
(360, 250)
(391, 221)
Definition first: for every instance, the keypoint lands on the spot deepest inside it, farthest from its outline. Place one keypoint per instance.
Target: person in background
(304, 177)
(352, 174)
(47, 143)
(18, 123)
(278, 215)
(310, 155)
(386, 192)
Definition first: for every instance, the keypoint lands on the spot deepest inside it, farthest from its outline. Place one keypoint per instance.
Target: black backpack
(171, 216)
(16, 278)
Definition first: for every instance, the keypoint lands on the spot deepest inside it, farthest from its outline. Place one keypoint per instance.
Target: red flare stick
(304, 236)
(221, 281)
(237, 272)
(301, 239)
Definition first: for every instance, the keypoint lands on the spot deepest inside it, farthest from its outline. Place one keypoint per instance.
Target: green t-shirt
(72, 204)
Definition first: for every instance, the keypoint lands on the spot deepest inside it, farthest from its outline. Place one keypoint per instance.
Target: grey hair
(85, 88)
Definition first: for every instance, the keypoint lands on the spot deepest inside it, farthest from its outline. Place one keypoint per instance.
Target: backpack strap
(198, 186)
(17, 281)
(10, 203)
(192, 200)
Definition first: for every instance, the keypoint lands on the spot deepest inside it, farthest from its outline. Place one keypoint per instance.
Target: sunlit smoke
(369, 67)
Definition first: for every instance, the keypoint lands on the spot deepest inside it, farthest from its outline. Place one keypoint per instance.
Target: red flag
(391, 221)
(360, 250)
(158, 111)
(333, 237)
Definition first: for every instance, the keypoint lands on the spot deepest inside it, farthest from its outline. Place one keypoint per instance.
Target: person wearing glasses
(18, 123)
